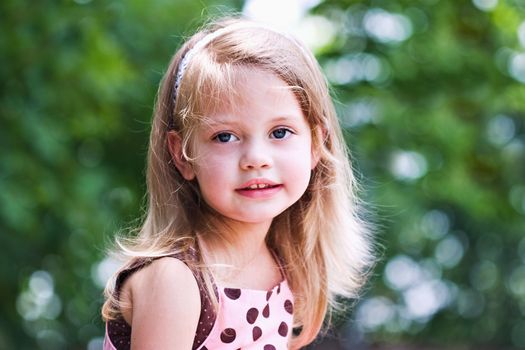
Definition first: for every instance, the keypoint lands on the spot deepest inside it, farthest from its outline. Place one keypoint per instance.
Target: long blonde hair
(321, 239)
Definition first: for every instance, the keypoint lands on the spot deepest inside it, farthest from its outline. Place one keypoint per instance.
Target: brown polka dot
(228, 335)
(279, 288)
(232, 293)
(268, 295)
(269, 347)
(288, 306)
(256, 333)
(204, 348)
(251, 315)
(283, 329)
(266, 311)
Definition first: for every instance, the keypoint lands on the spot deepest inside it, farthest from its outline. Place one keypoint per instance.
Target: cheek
(213, 173)
(298, 165)
(210, 185)
(301, 153)
(211, 161)
(300, 172)
(298, 179)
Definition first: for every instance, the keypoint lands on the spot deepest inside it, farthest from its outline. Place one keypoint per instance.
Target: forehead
(247, 87)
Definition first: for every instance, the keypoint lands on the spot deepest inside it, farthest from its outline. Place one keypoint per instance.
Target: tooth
(258, 186)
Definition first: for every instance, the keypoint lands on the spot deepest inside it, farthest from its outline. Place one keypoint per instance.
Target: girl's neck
(245, 261)
(244, 241)
(249, 238)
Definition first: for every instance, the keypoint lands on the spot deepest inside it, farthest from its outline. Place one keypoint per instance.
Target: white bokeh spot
(408, 165)
(386, 27)
(516, 66)
(485, 5)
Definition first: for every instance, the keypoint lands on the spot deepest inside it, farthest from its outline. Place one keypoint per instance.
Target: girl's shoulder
(156, 279)
(154, 296)
(160, 275)
(184, 260)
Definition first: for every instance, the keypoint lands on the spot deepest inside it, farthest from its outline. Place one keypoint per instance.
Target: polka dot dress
(247, 319)
(252, 319)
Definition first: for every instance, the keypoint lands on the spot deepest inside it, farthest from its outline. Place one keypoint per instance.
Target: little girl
(252, 230)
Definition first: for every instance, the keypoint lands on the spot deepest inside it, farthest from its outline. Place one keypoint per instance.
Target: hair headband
(210, 37)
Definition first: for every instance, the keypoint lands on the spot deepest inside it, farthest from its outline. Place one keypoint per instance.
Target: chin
(254, 218)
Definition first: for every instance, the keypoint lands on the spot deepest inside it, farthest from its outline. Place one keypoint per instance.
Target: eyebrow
(280, 118)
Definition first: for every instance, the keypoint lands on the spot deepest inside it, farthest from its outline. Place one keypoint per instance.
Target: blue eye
(224, 137)
(280, 133)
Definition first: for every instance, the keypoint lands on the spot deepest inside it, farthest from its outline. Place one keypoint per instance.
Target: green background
(432, 97)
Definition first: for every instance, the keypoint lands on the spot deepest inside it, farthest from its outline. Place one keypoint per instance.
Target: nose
(255, 155)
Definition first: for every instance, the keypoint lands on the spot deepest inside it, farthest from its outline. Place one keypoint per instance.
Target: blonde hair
(321, 239)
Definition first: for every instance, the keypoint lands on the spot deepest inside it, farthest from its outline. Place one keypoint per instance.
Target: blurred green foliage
(431, 93)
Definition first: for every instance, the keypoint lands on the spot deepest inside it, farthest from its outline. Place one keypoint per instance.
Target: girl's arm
(165, 306)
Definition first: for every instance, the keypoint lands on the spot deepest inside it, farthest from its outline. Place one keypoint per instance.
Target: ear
(175, 147)
(318, 136)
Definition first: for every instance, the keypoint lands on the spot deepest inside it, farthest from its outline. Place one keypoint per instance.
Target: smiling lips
(259, 188)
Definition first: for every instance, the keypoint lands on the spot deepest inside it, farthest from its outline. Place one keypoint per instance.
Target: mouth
(258, 187)
(257, 184)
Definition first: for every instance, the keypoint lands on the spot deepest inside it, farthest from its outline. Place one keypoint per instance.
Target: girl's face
(253, 159)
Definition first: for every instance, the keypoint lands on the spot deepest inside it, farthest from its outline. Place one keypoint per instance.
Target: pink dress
(246, 319)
